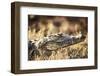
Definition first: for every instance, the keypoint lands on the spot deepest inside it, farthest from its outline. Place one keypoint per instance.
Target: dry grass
(79, 50)
(41, 26)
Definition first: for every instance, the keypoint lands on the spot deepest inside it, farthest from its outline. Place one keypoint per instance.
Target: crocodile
(56, 41)
(52, 43)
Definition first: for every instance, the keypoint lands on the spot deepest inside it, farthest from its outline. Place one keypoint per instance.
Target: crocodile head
(54, 42)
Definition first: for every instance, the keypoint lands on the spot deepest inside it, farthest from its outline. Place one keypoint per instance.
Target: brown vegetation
(43, 26)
